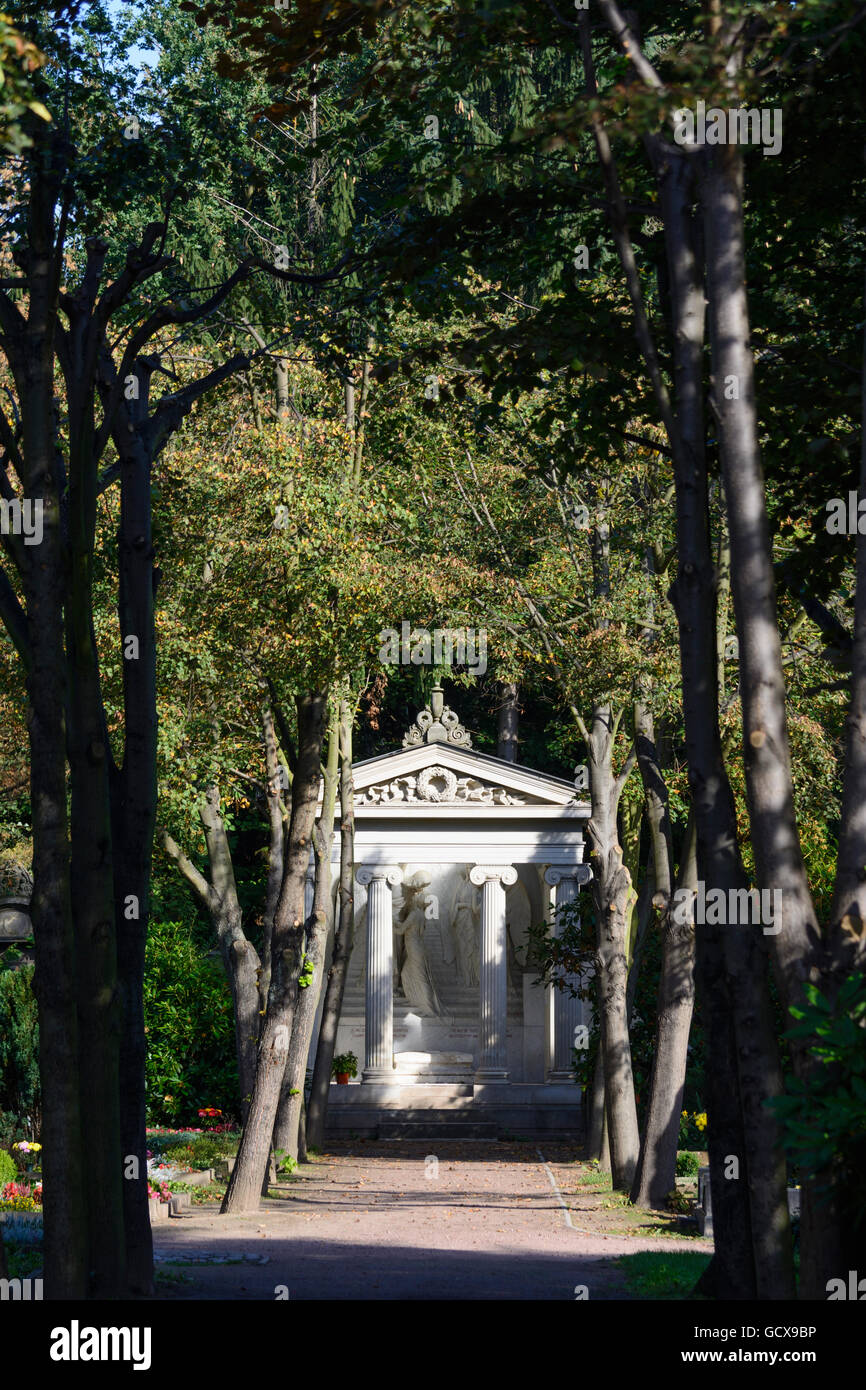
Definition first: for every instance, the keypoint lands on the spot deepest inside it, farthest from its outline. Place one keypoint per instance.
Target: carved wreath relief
(436, 784)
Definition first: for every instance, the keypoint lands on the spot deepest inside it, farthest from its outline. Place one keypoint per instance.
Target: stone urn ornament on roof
(437, 723)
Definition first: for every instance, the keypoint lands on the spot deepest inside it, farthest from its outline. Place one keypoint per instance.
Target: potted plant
(344, 1066)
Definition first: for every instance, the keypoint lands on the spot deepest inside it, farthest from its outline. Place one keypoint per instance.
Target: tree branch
(196, 881)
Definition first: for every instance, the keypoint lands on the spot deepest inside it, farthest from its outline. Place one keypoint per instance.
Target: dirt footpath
(410, 1221)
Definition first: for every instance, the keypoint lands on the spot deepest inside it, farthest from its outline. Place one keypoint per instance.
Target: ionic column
(379, 879)
(567, 1011)
(492, 1041)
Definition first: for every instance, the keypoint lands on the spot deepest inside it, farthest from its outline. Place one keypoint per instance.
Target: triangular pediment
(439, 778)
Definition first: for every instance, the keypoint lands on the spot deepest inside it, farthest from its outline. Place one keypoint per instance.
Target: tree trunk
(55, 982)
(249, 1172)
(282, 378)
(239, 956)
(612, 890)
(830, 1229)
(723, 594)
(344, 934)
(595, 1112)
(604, 1162)
(731, 1273)
(220, 900)
(509, 721)
(656, 1170)
(778, 860)
(92, 889)
(286, 1129)
(133, 816)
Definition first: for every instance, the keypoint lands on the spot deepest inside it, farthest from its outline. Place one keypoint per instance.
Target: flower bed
(21, 1196)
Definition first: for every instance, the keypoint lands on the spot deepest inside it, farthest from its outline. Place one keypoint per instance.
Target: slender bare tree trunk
(219, 898)
(748, 1262)
(604, 1161)
(769, 787)
(286, 1128)
(344, 934)
(694, 600)
(612, 889)
(595, 1112)
(248, 1175)
(656, 1170)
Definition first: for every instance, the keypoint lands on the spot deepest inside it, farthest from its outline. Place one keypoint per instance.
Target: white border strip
(553, 1183)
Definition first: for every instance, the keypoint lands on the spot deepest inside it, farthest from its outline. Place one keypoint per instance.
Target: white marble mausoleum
(456, 855)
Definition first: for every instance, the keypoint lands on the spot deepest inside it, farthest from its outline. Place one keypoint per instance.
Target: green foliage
(286, 1163)
(22, 1259)
(19, 1045)
(200, 1193)
(824, 1117)
(18, 59)
(345, 1064)
(688, 1164)
(8, 1168)
(693, 1130)
(205, 1151)
(191, 1057)
(307, 973)
(657, 1274)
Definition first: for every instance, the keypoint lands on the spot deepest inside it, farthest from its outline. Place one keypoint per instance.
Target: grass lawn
(663, 1274)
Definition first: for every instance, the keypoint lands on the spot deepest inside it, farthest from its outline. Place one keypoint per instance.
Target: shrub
(687, 1164)
(824, 1118)
(204, 1152)
(8, 1168)
(13, 1126)
(199, 1193)
(190, 1029)
(19, 1044)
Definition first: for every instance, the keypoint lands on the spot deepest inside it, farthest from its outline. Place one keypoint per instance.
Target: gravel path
(410, 1221)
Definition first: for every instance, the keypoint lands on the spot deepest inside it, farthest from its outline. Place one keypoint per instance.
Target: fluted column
(567, 1010)
(379, 879)
(492, 1040)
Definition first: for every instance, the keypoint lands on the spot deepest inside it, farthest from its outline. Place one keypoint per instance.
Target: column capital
(554, 874)
(391, 873)
(505, 874)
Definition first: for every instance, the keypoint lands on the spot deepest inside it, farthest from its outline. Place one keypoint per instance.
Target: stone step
(532, 1125)
(402, 1097)
(437, 1126)
(430, 1117)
